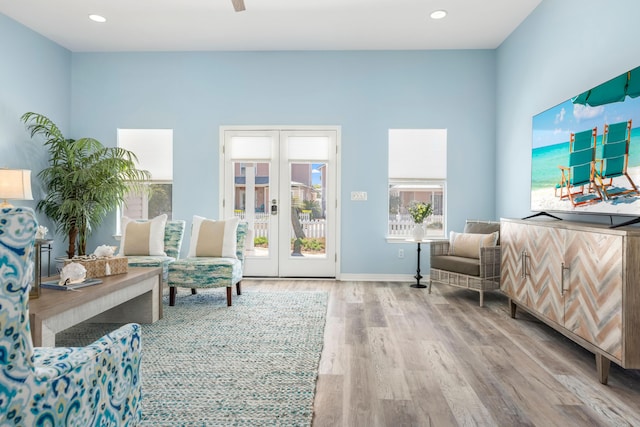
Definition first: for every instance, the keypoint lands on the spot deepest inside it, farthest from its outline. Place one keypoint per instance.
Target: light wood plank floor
(397, 356)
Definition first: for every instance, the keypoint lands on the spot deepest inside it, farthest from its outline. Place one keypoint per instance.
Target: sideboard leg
(602, 365)
(512, 308)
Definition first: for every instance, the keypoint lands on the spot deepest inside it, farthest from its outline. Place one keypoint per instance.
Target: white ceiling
(198, 25)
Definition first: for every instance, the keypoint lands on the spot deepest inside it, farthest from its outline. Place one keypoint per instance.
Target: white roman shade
(417, 154)
(154, 149)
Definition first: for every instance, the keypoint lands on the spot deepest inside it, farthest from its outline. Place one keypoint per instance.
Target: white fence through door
(313, 228)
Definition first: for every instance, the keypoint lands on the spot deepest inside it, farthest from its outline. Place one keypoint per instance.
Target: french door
(283, 183)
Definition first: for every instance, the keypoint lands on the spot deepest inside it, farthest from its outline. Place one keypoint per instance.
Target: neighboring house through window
(417, 172)
(154, 149)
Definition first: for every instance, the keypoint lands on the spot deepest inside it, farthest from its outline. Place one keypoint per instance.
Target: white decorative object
(418, 232)
(72, 273)
(41, 232)
(105, 251)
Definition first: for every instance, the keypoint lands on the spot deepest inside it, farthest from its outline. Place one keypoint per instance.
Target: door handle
(274, 207)
(562, 270)
(523, 266)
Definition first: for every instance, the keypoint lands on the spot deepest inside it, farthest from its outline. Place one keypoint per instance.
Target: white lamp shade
(15, 184)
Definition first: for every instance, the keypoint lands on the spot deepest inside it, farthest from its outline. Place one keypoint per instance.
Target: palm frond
(85, 181)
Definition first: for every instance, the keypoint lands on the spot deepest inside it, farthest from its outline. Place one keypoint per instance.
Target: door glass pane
(308, 208)
(251, 204)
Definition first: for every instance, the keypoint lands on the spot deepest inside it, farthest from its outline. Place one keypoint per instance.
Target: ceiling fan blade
(238, 5)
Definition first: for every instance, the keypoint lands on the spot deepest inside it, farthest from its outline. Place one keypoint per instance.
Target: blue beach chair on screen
(616, 140)
(578, 178)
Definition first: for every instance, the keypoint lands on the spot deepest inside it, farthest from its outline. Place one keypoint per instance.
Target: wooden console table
(581, 279)
(135, 296)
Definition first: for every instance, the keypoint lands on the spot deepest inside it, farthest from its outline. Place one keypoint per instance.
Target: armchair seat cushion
(152, 261)
(456, 264)
(205, 272)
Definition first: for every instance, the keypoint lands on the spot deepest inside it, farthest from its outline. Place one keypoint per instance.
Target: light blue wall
(35, 75)
(563, 48)
(365, 93)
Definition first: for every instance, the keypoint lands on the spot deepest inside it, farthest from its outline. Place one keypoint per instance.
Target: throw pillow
(211, 238)
(468, 244)
(143, 238)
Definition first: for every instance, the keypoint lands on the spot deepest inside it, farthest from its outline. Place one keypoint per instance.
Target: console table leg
(512, 308)
(602, 365)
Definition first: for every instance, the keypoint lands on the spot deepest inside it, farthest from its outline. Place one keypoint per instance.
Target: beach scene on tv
(585, 153)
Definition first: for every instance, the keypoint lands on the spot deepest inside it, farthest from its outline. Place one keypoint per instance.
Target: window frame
(426, 184)
(411, 153)
(165, 138)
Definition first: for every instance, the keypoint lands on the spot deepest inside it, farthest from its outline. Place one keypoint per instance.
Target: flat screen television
(563, 138)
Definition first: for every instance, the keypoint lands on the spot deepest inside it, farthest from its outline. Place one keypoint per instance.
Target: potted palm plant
(84, 181)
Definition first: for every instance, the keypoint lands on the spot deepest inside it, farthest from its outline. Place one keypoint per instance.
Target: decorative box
(101, 266)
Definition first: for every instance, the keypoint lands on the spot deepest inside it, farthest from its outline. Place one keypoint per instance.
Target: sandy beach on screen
(547, 200)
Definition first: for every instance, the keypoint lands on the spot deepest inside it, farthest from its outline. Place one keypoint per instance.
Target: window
(417, 172)
(154, 149)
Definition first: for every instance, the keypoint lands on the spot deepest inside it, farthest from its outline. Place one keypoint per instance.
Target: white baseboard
(408, 278)
(346, 277)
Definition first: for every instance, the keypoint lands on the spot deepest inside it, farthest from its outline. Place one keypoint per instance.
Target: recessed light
(97, 18)
(438, 14)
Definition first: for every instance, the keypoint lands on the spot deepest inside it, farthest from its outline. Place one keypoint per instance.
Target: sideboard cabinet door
(593, 295)
(532, 268)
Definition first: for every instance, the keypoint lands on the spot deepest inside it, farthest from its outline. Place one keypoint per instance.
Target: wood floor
(397, 356)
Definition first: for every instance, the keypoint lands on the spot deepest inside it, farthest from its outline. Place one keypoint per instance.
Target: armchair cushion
(481, 227)
(211, 238)
(143, 237)
(468, 244)
(457, 264)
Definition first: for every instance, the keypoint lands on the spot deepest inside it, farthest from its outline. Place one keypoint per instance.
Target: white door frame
(226, 208)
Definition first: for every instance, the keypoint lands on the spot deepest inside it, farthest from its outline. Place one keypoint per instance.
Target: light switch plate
(359, 195)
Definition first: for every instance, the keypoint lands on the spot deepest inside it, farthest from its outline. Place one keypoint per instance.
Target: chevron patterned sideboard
(581, 279)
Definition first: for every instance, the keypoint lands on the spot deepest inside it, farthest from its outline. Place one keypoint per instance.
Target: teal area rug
(206, 364)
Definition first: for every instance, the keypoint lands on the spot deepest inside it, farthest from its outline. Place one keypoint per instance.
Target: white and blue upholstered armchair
(214, 261)
(79, 386)
(173, 234)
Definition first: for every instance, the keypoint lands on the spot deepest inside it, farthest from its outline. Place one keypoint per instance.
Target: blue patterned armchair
(79, 386)
(209, 272)
(173, 234)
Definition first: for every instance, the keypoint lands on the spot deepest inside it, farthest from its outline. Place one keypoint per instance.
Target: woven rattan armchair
(481, 273)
